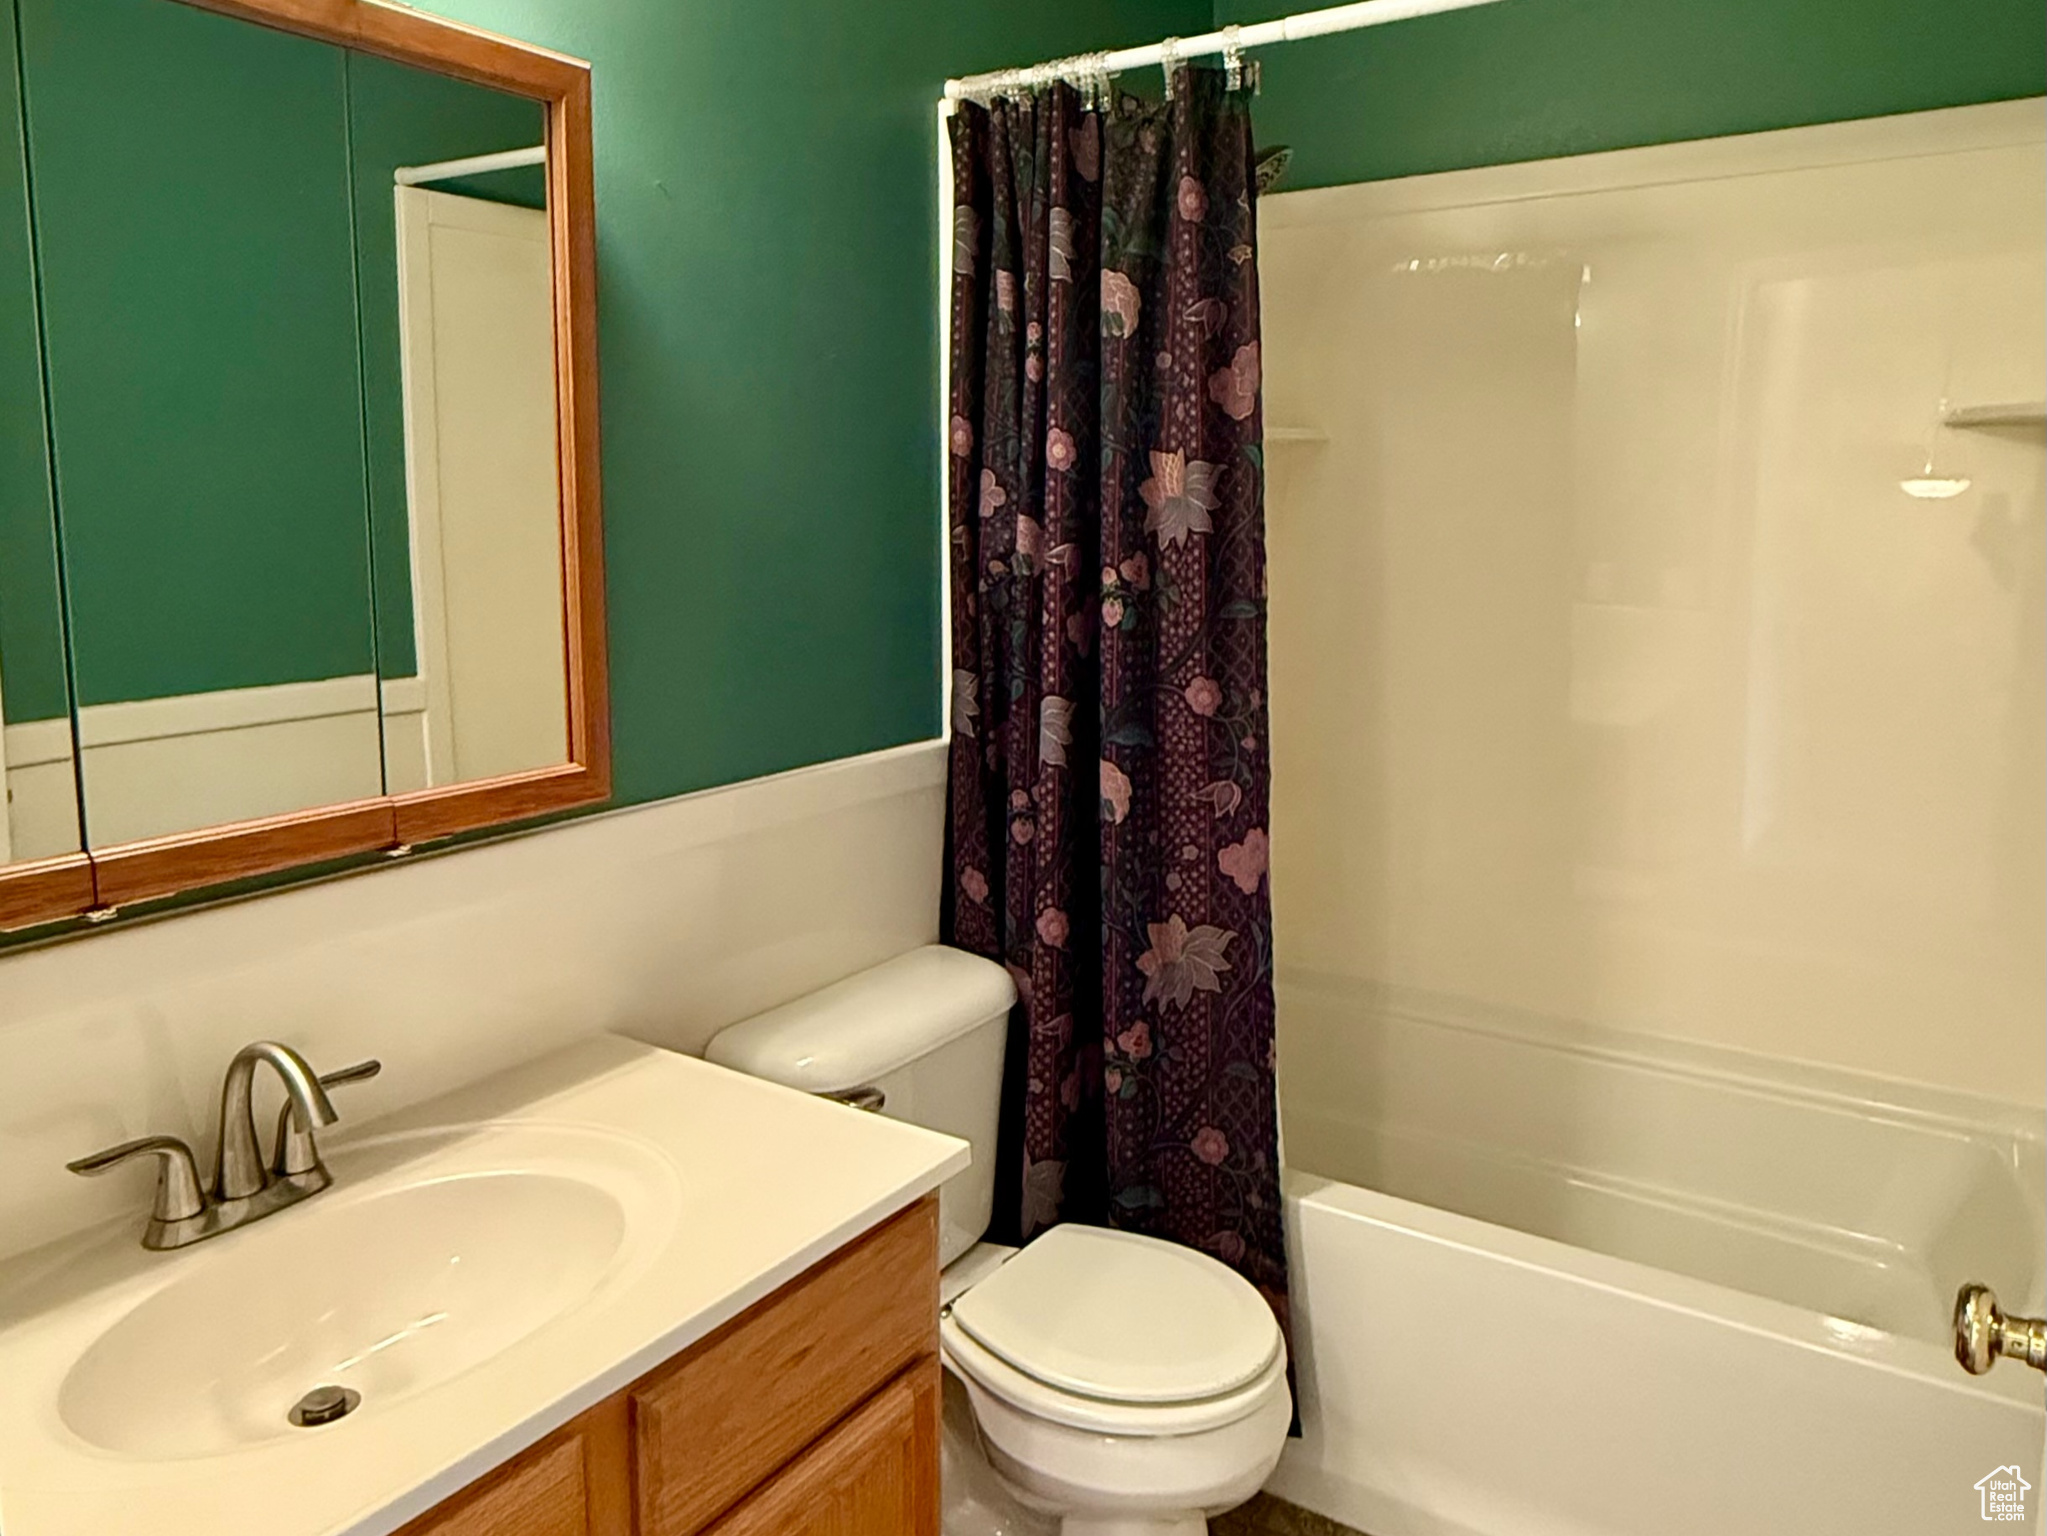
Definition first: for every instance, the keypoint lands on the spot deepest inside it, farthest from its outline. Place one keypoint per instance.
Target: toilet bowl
(1099, 1383)
(1120, 1385)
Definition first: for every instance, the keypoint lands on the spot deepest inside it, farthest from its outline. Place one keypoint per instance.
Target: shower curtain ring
(1099, 80)
(1169, 61)
(1233, 59)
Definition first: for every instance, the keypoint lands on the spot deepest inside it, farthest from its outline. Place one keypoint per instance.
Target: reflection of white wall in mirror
(476, 320)
(42, 790)
(190, 760)
(404, 733)
(42, 793)
(1614, 678)
(165, 765)
(7, 821)
(216, 777)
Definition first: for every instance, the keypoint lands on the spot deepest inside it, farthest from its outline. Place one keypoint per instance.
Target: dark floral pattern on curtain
(1109, 771)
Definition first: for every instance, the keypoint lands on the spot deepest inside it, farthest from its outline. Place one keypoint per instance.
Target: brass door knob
(1983, 1334)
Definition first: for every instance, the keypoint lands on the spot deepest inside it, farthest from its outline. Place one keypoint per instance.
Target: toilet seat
(1117, 1332)
(1136, 1421)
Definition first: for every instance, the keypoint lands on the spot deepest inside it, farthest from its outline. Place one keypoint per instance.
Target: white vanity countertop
(724, 1188)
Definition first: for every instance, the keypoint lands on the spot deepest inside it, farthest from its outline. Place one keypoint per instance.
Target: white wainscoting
(42, 789)
(197, 759)
(664, 922)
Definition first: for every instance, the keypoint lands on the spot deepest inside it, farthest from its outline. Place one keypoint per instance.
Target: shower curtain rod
(469, 165)
(1337, 18)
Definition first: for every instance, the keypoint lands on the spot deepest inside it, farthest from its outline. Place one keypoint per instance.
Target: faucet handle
(297, 1153)
(361, 1072)
(179, 1196)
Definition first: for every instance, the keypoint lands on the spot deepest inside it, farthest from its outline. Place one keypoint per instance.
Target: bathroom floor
(1267, 1516)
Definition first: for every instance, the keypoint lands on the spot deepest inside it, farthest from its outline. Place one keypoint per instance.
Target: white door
(476, 319)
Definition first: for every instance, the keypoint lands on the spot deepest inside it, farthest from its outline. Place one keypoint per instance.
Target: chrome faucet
(243, 1189)
(239, 1173)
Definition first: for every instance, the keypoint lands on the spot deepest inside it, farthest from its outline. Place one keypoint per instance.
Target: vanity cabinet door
(574, 1483)
(752, 1396)
(876, 1474)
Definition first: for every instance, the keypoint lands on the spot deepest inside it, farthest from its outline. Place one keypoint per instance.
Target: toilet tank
(926, 1028)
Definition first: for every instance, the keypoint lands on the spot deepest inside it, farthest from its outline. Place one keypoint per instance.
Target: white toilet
(1118, 1384)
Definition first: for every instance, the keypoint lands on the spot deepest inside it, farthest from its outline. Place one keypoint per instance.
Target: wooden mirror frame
(46, 890)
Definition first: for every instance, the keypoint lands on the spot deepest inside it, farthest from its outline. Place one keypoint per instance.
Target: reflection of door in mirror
(458, 354)
(475, 299)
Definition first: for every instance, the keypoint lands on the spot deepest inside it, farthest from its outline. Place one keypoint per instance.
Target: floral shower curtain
(1109, 770)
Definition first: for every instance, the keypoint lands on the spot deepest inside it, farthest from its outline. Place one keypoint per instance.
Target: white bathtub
(1552, 1281)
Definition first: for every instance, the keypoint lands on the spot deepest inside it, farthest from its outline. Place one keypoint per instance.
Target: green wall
(765, 212)
(198, 183)
(1528, 79)
(766, 200)
(192, 215)
(32, 683)
(765, 180)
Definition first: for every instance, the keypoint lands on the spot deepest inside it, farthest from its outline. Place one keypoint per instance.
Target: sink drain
(323, 1405)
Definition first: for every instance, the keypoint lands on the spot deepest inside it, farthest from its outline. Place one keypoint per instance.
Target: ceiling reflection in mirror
(297, 334)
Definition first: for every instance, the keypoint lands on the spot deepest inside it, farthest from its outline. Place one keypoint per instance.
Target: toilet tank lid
(870, 1024)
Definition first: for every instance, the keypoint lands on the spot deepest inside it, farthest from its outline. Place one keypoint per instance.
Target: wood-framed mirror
(300, 533)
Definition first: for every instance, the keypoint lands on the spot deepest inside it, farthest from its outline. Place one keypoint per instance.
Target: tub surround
(737, 1187)
(663, 922)
(1711, 1273)
(1624, 1398)
(1865, 1201)
(1657, 837)
(1615, 677)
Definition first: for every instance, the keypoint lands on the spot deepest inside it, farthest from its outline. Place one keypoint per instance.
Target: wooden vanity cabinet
(813, 1413)
(571, 1484)
(867, 1475)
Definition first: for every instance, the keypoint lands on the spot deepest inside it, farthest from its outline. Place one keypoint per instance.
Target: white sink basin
(487, 1265)
(389, 1295)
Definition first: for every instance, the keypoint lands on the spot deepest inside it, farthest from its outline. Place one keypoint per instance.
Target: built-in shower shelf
(1296, 435)
(2020, 413)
